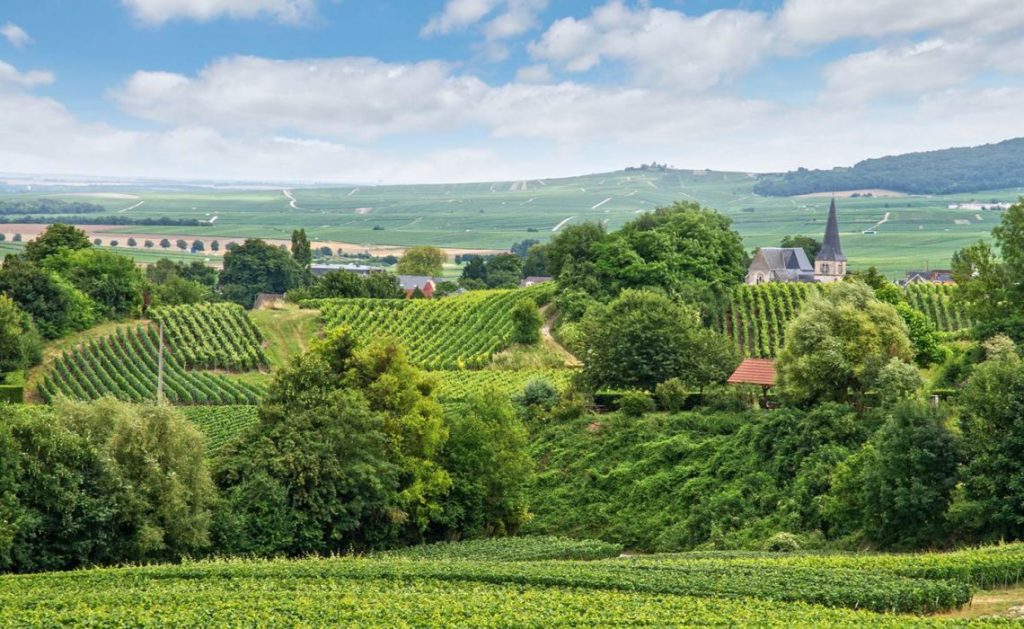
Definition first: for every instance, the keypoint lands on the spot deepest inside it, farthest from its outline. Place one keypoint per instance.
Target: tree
(573, 246)
(991, 504)
(165, 244)
(20, 344)
(177, 290)
(257, 267)
(57, 308)
(895, 492)
(422, 261)
(112, 281)
(638, 340)
(215, 246)
(197, 245)
(17, 238)
(475, 269)
(339, 284)
(148, 244)
(521, 248)
(301, 252)
(56, 237)
(114, 243)
(504, 271)
(326, 252)
(836, 347)
(535, 264)
(345, 456)
(132, 242)
(181, 244)
(810, 246)
(97, 242)
(383, 285)
(526, 322)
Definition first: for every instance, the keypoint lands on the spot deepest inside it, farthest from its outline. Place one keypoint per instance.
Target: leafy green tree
(991, 503)
(177, 291)
(536, 263)
(339, 284)
(638, 340)
(521, 248)
(257, 267)
(56, 237)
(181, 244)
(835, 348)
(197, 245)
(422, 261)
(923, 334)
(55, 305)
(504, 271)
(165, 244)
(20, 344)
(301, 252)
(526, 322)
(475, 269)
(112, 281)
(490, 467)
(345, 456)
(148, 244)
(383, 286)
(810, 246)
(215, 246)
(895, 492)
(573, 246)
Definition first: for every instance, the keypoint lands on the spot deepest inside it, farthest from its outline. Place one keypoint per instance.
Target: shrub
(635, 403)
(538, 392)
(782, 543)
(671, 395)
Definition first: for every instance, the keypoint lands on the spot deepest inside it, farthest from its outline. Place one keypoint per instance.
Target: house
(790, 264)
(780, 264)
(938, 276)
(426, 284)
(362, 270)
(533, 280)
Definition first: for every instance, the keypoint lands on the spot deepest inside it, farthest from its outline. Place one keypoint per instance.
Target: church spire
(831, 248)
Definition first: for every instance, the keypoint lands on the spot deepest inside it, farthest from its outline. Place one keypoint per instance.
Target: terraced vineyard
(456, 386)
(757, 316)
(461, 332)
(221, 424)
(212, 336)
(516, 582)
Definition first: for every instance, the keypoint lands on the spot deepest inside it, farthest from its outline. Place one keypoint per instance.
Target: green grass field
(921, 231)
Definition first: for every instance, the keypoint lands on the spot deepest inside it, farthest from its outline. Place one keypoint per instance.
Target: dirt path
(549, 340)
(291, 200)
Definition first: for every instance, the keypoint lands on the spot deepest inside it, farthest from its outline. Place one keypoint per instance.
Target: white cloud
(458, 15)
(502, 20)
(32, 78)
(156, 12)
(537, 73)
(15, 35)
(660, 46)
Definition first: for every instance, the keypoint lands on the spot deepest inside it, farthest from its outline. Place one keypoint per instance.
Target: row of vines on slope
(757, 316)
(212, 336)
(125, 365)
(461, 332)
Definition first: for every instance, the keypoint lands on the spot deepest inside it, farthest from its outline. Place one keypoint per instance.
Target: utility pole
(160, 368)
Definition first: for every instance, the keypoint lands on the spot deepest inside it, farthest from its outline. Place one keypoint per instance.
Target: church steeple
(830, 263)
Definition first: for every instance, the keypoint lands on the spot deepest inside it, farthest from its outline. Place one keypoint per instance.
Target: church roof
(831, 248)
(786, 259)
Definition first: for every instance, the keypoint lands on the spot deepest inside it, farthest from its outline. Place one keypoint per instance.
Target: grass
(999, 603)
(287, 332)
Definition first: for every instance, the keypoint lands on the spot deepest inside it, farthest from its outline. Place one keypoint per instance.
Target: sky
(411, 91)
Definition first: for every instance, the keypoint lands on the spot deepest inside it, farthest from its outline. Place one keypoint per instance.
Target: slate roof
(786, 258)
(831, 248)
(755, 371)
(410, 282)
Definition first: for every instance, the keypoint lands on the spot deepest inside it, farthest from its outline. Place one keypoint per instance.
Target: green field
(921, 231)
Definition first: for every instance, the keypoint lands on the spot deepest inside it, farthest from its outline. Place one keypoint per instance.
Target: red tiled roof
(754, 371)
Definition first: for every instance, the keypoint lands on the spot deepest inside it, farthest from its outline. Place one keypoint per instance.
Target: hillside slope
(947, 171)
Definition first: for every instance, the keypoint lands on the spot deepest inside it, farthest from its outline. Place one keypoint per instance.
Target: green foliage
(538, 392)
(455, 387)
(536, 263)
(54, 239)
(897, 382)
(301, 252)
(643, 338)
(526, 321)
(178, 291)
(635, 403)
(125, 365)
(837, 345)
(422, 261)
(57, 308)
(457, 332)
(671, 395)
(782, 542)
(220, 424)
(102, 483)
(212, 336)
(810, 245)
(531, 548)
(20, 344)
(895, 492)
(573, 248)
(111, 280)
(947, 171)
(256, 267)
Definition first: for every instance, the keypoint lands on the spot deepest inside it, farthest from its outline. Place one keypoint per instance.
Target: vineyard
(125, 364)
(220, 424)
(519, 582)
(461, 332)
(212, 336)
(457, 386)
(757, 316)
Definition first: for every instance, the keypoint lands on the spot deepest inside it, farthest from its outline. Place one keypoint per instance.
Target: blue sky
(455, 90)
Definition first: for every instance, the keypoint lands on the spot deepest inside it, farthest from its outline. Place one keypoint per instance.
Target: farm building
(533, 280)
(424, 283)
(938, 276)
(790, 264)
(362, 270)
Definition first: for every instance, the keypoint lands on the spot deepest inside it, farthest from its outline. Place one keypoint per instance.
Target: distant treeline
(105, 220)
(949, 171)
(48, 206)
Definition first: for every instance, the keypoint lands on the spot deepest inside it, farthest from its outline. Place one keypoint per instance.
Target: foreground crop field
(532, 582)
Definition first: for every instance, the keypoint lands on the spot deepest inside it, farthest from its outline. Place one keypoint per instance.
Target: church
(790, 264)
